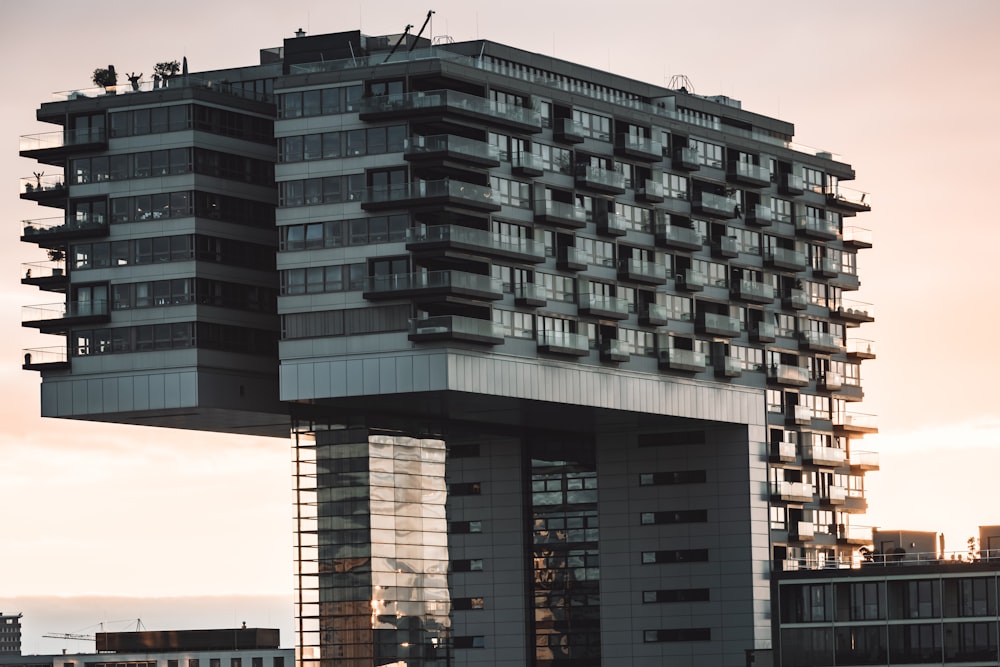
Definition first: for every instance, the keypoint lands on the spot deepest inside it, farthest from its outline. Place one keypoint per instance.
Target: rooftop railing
(180, 81)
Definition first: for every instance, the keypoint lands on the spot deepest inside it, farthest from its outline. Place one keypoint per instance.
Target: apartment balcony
(433, 284)
(436, 104)
(827, 268)
(851, 393)
(847, 199)
(639, 148)
(58, 317)
(798, 415)
(614, 350)
(602, 305)
(752, 175)
(45, 358)
(717, 206)
(610, 223)
(654, 315)
(835, 495)
(639, 271)
(859, 349)
(793, 492)
(651, 191)
(759, 215)
(561, 342)
(830, 381)
(43, 189)
(855, 503)
(726, 247)
(560, 214)
(795, 299)
(793, 184)
(571, 259)
(606, 181)
(530, 294)
(863, 461)
(478, 241)
(568, 131)
(857, 237)
(441, 149)
(801, 531)
(677, 359)
(456, 327)
(762, 332)
(753, 291)
(786, 452)
(824, 456)
(855, 312)
(527, 164)
(788, 375)
(846, 281)
(850, 423)
(690, 280)
(820, 341)
(55, 147)
(686, 159)
(728, 367)
(861, 535)
(430, 194)
(817, 228)
(715, 324)
(49, 276)
(682, 238)
(785, 258)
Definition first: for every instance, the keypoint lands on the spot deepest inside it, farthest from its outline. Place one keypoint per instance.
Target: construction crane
(89, 638)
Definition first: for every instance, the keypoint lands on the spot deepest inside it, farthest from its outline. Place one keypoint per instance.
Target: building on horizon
(569, 359)
(10, 634)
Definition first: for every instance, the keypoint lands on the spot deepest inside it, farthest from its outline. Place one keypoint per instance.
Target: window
(676, 595)
(470, 565)
(671, 478)
(593, 125)
(914, 599)
(672, 517)
(464, 489)
(467, 604)
(465, 527)
(511, 193)
(469, 642)
(675, 186)
(709, 154)
(678, 635)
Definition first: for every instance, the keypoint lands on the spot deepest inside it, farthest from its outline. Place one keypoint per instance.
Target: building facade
(10, 634)
(569, 358)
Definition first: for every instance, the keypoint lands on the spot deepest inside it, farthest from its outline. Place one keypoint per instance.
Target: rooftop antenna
(682, 83)
(406, 32)
(427, 20)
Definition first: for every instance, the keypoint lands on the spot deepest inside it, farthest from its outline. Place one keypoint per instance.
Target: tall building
(567, 356)
(10, 634)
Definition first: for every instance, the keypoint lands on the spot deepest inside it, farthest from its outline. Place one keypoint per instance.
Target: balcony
(717, 206)
(690, 280)
(715, 324)
(562, 342)
(854, 534)
(803, 531)
(859, 349)
(433, 284)
(572, 259)
(820, 341)
(789, 375)
(610, 223)
(530, 294)
(751, 290)
(864, 461)
(651, 191)
(568, 131)
(785, 258)
(857, 237)
(601, 180)
(846, 422)
(784, 451)
(831, 381)
(438, 103)
(800, 415)
(675, 236)
(856, 312)
(57, 317)
(795, 299)
(846, 198)
(728, 367)
(639, 271)
(793, 184)
(855, 503)
(527, 164)
(452, 237)
(686, 159)
(50, 276)
(793, 492)
(640, 148)
(762, 332)
(726, 247)
(677, 359)
(827, 268)
(54, 147)
(45, 358)
(446, 147)
(655, 315)
(759, 215)
(43, 188)
(819, 228)
(614, 350)
(560, 214)
(428, 194)
(753, 175)
(602, 305)
(456, 327)
(835, 495)
(824, 456)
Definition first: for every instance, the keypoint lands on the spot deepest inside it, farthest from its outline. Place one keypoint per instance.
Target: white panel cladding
(520, 377)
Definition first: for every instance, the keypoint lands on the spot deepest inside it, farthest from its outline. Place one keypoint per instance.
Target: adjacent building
(569, 360)
(10, 634)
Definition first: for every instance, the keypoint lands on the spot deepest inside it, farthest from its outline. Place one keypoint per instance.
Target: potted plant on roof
(106, 78)
(165, 71)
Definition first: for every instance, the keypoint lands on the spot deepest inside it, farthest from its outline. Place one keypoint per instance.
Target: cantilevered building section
(567, 356)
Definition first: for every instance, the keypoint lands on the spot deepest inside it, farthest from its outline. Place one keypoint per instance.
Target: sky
(107, 519)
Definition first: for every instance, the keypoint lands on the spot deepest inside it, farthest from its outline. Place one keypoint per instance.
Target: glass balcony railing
(613, 224)
(43, 270)
(829, 456)
(457, 326)
(822, 341)
(598, 176)
(755, 290)
(681, 236)
(794, 183)
(760, 215)
(686, 158)
(750, 172)
(528, 161)
(829, 266)
(686, 359)
(452, 101)
(788, 374)
(852, 198)
(720, 324)
(855, 534)
(479, 238)
(657, 314)
(785, 258)
(562, 211)
(831, 380)
(799, 414)
(817, 226)
(222, 86)
(480, 194)
(836, 495)
(803, 530)
(642, 269)
(855, 421)
(857, 310)
(568, 129)
(531, 292)
(51, 312)
(691, 279)
(866, 460)
(640, 145)
(719, 205)
(46, 227)
(449, 143)
(563, 340)
(33, 185)
(764, 331)
(651, 190)
(603, 304)
(859, 347)
(786, 451)
(796, 299)
(62, 139)
(858, 236)
(802, 491)
(40, 356)
(402, 282)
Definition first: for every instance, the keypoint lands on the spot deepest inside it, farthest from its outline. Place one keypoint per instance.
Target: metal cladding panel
(109, 390)
(338, 378)
(306, 379)
(421, 373)
(370, 377)
(355, 377)
(155, 390)
(321, 379)
(172, 391)
(126, 394)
